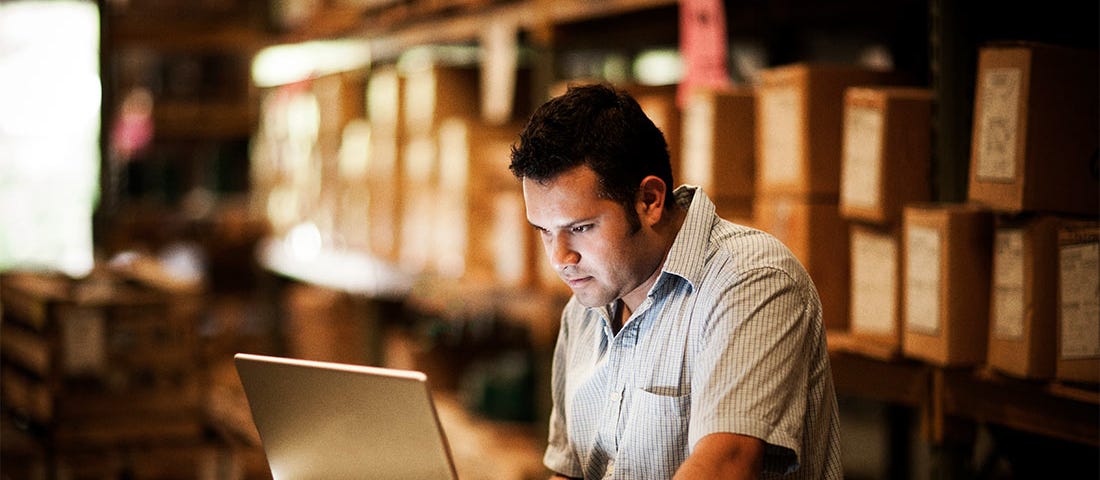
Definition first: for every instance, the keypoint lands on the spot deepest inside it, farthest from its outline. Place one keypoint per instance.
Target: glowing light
(659, 67)
(305, 241)
(285, 64)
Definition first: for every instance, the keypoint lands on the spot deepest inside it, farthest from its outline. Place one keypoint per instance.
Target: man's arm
(724, 455)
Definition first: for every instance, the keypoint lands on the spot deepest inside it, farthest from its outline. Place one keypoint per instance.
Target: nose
(561, 253)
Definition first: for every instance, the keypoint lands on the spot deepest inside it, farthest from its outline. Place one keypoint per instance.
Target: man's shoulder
(746, 248)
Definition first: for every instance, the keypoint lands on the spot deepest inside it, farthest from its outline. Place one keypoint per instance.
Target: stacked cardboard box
(1079, 304)
(884, 166)
(325, 325)
(1023, 310)
(718, 148)
(876, 288)
(1033, 161)
(1036, 130)
(430, 96)
(482, 222)
(384, 93)
(659, 104)
(946, 264)
(799, 118)
(99, 366)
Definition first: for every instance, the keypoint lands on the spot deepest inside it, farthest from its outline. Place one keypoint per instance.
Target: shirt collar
(685, 257)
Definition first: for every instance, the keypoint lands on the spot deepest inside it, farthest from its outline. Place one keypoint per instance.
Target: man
(692, 347)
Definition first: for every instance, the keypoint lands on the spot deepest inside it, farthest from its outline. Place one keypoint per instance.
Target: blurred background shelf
(362, 211)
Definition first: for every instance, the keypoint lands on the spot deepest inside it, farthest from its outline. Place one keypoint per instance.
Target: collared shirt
(729, 339)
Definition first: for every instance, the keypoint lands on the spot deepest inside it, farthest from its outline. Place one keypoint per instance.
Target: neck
(666, 231)
(619, 316)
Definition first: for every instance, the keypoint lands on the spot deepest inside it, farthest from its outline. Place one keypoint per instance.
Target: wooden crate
(99, 361)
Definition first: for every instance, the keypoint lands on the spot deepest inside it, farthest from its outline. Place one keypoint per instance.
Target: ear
(651, 200)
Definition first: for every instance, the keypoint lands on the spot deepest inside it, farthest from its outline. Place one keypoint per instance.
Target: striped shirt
(729, 339)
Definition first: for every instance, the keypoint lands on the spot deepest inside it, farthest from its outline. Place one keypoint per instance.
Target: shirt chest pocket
(655, 438)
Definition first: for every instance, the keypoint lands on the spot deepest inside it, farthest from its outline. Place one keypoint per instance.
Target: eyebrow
(568, 225)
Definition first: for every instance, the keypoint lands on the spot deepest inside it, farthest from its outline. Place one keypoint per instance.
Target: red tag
(702, 45)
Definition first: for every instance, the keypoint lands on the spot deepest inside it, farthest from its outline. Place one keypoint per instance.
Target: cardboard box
(659, 104)
(799, 119)
(473, 169)
(384, 203)
(435, 93)
(419, 203)
(383, 98)
(946, 263)
(506, 246)
(384, 206)
(1023, 296)
(341, 97)
(813, 230)
(876, 297)
(1078, 303)
(719, 147)
(352, 222)
(886, 157)
(1036, 130)
(325, 325)
(738, 210)
(104, 349)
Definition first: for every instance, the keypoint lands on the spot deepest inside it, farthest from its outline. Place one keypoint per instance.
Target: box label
(498, 69)
(1008, 284)
(782, 136)
(417, 225)
(874, 283)
(449, 241)
(420, 158)
(508, 238)
(420, 91)
(454, 155)
(997, 127)
(861, 174)
(383, 98)
(698, 138)
(1079, 284)
(83, 340)
(922, 280)
(354, 151)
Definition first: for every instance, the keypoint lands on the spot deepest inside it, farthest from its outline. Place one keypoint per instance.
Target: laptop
(322, 420)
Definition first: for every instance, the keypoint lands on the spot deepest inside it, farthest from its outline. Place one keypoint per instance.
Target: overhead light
(659, 67)
(286, 64)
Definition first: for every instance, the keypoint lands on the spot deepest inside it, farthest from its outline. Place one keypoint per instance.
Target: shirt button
(617, 396)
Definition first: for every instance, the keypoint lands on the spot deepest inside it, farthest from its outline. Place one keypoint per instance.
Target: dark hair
(597, 126)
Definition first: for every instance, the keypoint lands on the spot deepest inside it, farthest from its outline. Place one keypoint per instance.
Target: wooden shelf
(350, 272)
(1022, 405)
(951, 400)
(388, 39)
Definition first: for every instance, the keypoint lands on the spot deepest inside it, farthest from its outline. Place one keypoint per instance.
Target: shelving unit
(933, 43)
(950, 400)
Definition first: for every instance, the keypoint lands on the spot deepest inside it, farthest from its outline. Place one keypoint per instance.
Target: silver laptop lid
(321, 420)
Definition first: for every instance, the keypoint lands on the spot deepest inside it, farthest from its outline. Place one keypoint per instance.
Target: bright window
(49, 134)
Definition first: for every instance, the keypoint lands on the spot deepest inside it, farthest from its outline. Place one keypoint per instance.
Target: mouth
(576, 282)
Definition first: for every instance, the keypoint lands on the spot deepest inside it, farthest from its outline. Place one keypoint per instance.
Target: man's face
(588, 239)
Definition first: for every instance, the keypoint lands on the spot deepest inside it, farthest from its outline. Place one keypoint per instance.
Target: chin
(591, 300)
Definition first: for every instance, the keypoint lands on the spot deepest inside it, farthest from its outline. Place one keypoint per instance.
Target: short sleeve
(751, 374)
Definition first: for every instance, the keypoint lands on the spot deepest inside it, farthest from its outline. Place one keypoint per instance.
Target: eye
(581, 228)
